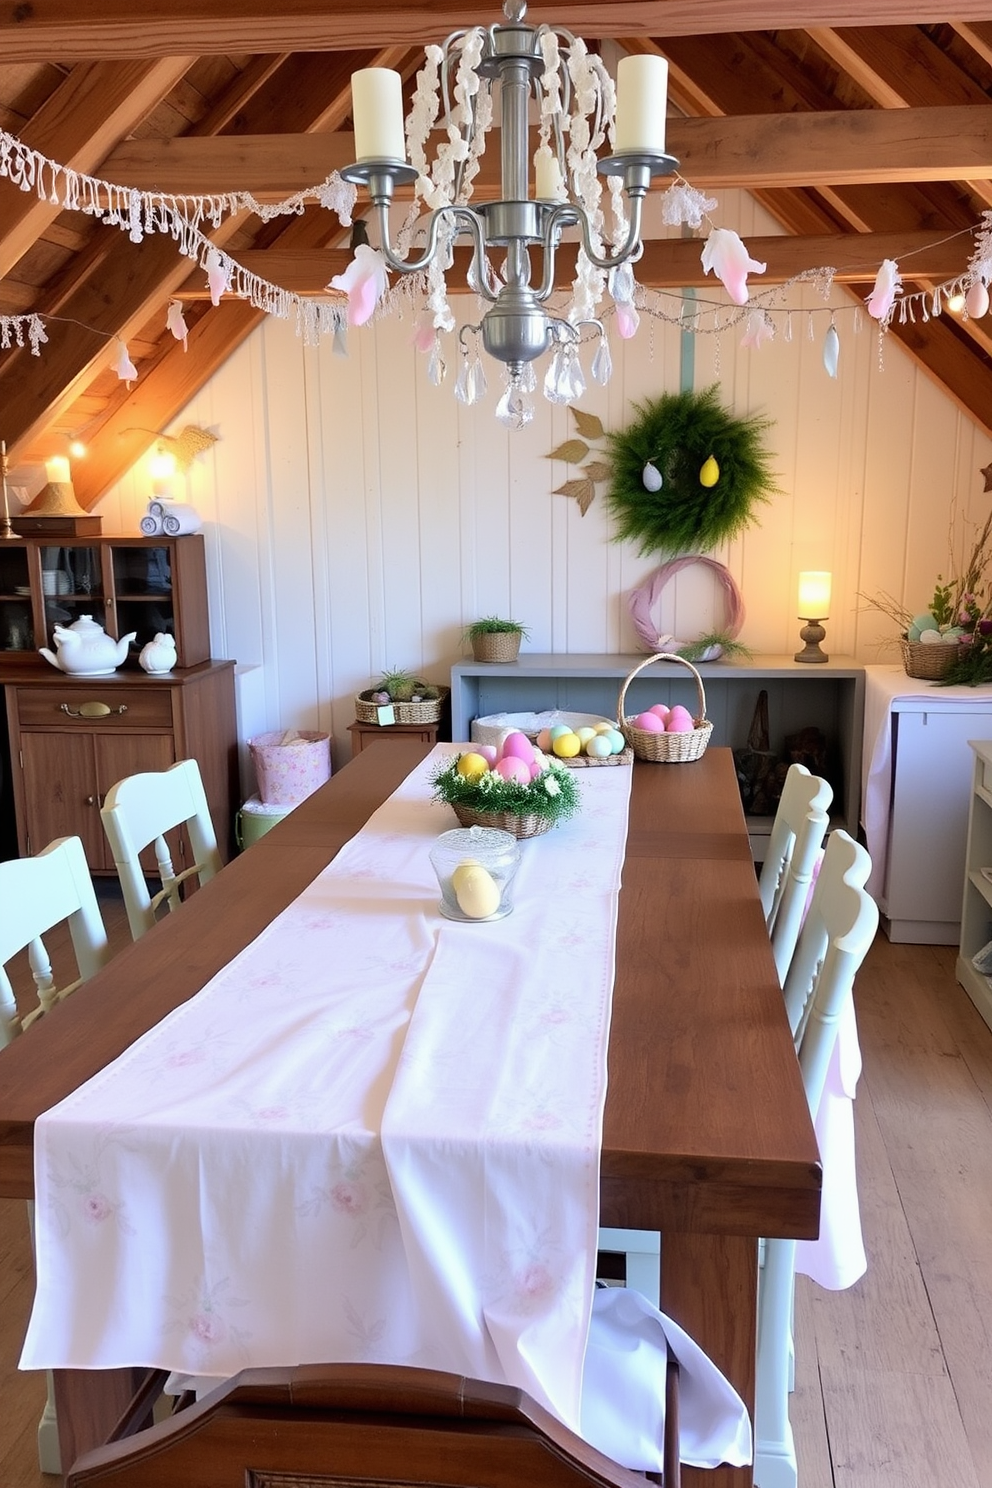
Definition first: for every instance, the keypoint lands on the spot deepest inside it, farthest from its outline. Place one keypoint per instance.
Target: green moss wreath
(677, 433)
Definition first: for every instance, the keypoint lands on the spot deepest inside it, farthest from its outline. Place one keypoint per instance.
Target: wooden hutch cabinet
(70, 738)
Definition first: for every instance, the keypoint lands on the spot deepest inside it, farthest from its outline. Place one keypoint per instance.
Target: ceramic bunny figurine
(86, 650)
(159, 655)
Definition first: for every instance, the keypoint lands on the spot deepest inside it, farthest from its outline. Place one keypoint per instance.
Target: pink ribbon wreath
(643, 598)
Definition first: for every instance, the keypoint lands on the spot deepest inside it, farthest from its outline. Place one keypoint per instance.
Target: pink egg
(538, 768)
(518, 746)
(680, 720)
(662, 710)
(513, 769)
(488, 752)
(650, 722)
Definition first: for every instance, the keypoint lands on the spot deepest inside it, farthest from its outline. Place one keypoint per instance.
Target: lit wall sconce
(162, 469)
(814, 608)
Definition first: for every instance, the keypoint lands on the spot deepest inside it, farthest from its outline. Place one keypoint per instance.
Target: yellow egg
(585, 734)
(567, 746)
(710, 473)
(475, 889)
(472, 766)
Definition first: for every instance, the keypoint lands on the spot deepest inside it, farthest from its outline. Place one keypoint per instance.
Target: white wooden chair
(833, 942)
(796, 838)
(36, 895)
(136, 813)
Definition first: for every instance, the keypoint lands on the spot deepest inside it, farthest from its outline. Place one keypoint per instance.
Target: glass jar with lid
(475, 868)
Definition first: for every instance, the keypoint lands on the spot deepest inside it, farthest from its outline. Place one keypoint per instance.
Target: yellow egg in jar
(475, 890)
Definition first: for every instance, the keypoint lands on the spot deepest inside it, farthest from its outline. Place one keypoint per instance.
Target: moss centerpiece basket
(482, 797)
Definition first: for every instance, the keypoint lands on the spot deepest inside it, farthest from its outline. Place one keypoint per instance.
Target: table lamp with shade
(813, 609)
(56, 511)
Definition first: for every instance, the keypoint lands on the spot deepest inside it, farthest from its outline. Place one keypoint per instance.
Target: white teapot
(159, 654)
(86, 650)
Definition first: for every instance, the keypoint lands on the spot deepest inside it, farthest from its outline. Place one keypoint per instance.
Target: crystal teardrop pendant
(435, 367)
(463, 384)
(602, 363)
(514, 409)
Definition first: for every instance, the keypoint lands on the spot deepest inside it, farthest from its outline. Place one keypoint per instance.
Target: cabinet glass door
(143, 583)
(71, 585)
(16, 625)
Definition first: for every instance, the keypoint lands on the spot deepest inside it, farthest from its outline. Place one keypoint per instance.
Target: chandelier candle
(642, 101)
(377, 109)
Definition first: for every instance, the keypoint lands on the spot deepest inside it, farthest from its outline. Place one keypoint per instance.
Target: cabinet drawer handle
(95, 800)
(91, 710)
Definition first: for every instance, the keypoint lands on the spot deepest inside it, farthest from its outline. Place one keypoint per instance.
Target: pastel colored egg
(925, 621)
(598, 747)
(472, 766)
(557, 729)
(537, 768)
(511, 768)
(544, 739)
(518, 746)
(488, 752)
(931, 637)
(617, 741)
(662, 710)
(679, 721)
(650, 723)
(567, 746)
(605, 727)
(585, 734)
(476, 891)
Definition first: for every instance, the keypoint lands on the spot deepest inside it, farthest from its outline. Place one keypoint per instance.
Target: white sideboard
(828, 696)
(918, 774)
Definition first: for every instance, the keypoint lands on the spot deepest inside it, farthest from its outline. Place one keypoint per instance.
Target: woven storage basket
(427, 711)
(666, 749)
(496, 645)
(927, 662)
(520, 827)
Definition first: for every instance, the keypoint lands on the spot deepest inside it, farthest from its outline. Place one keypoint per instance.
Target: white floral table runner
(375, 1135)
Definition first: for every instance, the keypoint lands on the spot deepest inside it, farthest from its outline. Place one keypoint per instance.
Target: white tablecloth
(374, 1136)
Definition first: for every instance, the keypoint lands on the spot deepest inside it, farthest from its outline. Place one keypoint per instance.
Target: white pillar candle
(642, 102)
(377, 110)
(548, 182)
(57, 470)
(814, 595)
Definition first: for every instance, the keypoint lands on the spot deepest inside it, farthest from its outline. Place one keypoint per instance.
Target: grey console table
(829, 696)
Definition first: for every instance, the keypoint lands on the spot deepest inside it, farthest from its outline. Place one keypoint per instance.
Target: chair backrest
(836, 934)
(136, 813)
(36, 894)
(839, 927)
(796, 838)
(351, 1423)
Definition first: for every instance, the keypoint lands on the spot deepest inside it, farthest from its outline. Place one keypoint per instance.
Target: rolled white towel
(181, 519)
(157, 509)
(151, 525)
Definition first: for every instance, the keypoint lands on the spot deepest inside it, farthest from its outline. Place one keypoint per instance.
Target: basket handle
(664, 656)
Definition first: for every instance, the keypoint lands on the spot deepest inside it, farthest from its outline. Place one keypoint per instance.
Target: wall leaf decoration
(574, 451)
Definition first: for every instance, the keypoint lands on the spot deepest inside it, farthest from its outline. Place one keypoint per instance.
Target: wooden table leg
(709, 1285)
(89, 1403)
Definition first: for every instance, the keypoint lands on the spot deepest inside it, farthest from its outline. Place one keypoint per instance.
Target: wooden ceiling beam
(863, 146)
(107, 29)
(95, 106)
(122, 285)
(670, 263)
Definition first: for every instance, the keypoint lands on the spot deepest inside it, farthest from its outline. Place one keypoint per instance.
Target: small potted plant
(494, 639)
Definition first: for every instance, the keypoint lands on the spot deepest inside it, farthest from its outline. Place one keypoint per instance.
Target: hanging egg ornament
(977, 300)
(831, 351)
(651, 478)
(710, 473)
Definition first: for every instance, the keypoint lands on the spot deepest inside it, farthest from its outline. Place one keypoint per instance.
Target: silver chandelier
(575, 98)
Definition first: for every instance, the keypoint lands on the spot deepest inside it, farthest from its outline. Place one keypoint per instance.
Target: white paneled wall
(358, 518)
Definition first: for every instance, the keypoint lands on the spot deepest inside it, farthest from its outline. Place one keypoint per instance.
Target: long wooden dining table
(707, 1137)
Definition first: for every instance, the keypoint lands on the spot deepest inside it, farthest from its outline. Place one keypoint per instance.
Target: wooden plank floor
(894, 1377)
